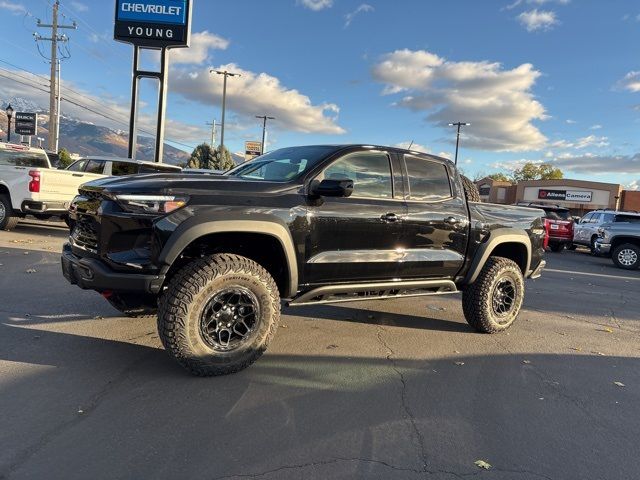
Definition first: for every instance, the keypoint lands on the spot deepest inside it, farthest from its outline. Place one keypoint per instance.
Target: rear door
(62, 185)
(436, 225)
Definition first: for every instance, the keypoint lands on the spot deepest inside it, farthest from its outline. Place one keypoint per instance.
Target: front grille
(85, 236)
(91, 194)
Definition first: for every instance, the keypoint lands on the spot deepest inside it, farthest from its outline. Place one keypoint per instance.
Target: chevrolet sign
(153, 23)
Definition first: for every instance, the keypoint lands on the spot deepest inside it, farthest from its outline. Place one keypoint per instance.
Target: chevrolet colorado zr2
(215, 256)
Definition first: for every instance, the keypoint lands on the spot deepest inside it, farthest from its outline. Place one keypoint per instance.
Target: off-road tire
(477, 298)
(556, 247)
(134, 305)
(7, 221)
(618, 251)
(470, 190)
(592, 245)
(184, 301)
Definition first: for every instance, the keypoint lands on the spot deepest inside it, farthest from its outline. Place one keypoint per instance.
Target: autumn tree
(537, 171)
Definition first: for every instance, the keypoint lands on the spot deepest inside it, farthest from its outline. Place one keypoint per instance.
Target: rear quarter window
(628, 218)
(19, 158)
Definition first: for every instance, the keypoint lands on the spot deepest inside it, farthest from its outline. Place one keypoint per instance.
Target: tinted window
(95, 166)
(18, 158)
(608, 217)
(157, 168)
(628, 218)
(370, 172)
(597, 218)
(428, 180)
(282, 165)
(77, 166)
(558, 214)
(123, 168)
(586, 218)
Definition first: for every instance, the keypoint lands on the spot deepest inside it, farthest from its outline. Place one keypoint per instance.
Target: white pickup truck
(30, 186)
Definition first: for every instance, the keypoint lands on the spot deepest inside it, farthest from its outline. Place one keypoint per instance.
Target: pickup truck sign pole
(153, 25)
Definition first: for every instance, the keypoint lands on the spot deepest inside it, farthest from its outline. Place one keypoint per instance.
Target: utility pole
(213, 132)
(264, 129)
(54, 96)
(458, 124)
(224, 98)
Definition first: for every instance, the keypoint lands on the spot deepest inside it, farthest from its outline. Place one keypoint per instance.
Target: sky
(554, 81)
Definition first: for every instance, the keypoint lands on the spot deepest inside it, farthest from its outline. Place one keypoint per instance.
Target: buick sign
(153, 23)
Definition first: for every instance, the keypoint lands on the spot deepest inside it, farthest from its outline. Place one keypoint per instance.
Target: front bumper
(603, 248)
(93, 274)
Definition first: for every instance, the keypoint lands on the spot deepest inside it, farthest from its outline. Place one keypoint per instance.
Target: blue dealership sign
(153, 23)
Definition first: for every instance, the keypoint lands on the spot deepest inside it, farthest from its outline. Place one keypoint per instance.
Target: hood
(181, 183)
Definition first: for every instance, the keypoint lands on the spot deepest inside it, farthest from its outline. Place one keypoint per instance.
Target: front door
(356, 239)
(436, 226)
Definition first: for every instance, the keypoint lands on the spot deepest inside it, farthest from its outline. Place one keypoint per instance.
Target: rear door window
(95, 166)
(428, 181)
(77, 166)
(123, 168)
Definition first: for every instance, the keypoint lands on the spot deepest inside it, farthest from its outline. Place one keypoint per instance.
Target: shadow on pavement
(95, 408)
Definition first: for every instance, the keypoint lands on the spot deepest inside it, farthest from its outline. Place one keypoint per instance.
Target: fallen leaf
(577, 349)
(436, 309)
(80, 411)
(459, 363)
(32, 270)
(619, 384)
(605, 329)
(98, 317)
(526, 362)
(331, 347)
(284, 326)
(599, 353)
(482, 464)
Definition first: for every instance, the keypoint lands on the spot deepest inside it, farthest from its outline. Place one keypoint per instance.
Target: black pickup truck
(213, 256)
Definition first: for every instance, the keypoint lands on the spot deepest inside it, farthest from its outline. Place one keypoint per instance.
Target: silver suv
(586, 230)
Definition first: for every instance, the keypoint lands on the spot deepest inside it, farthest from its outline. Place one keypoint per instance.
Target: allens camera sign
(153, 23)
(565, 195)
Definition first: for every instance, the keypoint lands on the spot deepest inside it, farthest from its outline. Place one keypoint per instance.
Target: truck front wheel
(218, 314)
(492, 303)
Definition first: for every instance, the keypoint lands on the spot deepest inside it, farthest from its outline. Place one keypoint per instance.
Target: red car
(559, 226)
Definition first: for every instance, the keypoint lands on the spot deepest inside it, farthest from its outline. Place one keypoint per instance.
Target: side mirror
(330, 187)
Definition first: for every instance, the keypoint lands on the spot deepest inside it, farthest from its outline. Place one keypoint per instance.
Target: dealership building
(578, 195)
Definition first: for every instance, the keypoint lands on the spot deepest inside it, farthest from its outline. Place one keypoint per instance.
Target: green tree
(499, 176)
(201, 156)
(222, 159)
(534, 171)
(64, 158)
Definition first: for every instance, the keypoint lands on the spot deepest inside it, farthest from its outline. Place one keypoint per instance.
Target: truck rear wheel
(133, 305)
(218, 314)
(7, 220)
(492, 303)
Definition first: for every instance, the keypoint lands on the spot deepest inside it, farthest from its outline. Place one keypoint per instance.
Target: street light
(9, 112)
(264, 130)
(224, 98)
(458, 124)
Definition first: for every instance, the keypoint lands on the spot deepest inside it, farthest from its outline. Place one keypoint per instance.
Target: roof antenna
(410, 145)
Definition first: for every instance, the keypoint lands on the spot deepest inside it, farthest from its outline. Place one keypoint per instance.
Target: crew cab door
(355, 239)
(437, 223)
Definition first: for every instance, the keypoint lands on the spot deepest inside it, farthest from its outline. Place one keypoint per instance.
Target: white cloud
(589, 163)
(497, 102)
(80, 7)
(513, 165)
(257, 93)
(631, 82)
(635, 185)
(363, 8)
(316, 5)
(595, 127)
(534, 20)
(15, 8)
(517, 3)
(570, 122)
(590, 141)
(198, 53)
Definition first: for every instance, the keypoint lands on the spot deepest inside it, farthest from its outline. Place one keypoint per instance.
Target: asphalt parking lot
(392, 390)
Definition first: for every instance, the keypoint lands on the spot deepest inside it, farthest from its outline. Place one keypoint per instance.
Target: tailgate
(63, 184)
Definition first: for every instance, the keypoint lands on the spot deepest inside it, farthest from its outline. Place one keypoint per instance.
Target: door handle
(452, 221)
(390, 218)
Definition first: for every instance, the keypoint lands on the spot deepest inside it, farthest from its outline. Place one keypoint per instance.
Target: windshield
(21, 158)
(281, 165)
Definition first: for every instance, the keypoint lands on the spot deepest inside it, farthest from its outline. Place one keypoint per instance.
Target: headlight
(151, 204)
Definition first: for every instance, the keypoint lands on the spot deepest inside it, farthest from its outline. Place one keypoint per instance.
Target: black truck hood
(172, 183)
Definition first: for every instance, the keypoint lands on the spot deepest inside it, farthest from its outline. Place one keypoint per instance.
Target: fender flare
(187, 234)
(498, 237)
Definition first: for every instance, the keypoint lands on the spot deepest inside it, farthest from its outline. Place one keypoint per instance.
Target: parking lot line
(571, 272)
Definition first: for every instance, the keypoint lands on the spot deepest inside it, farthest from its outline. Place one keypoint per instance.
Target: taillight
(34, 184)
